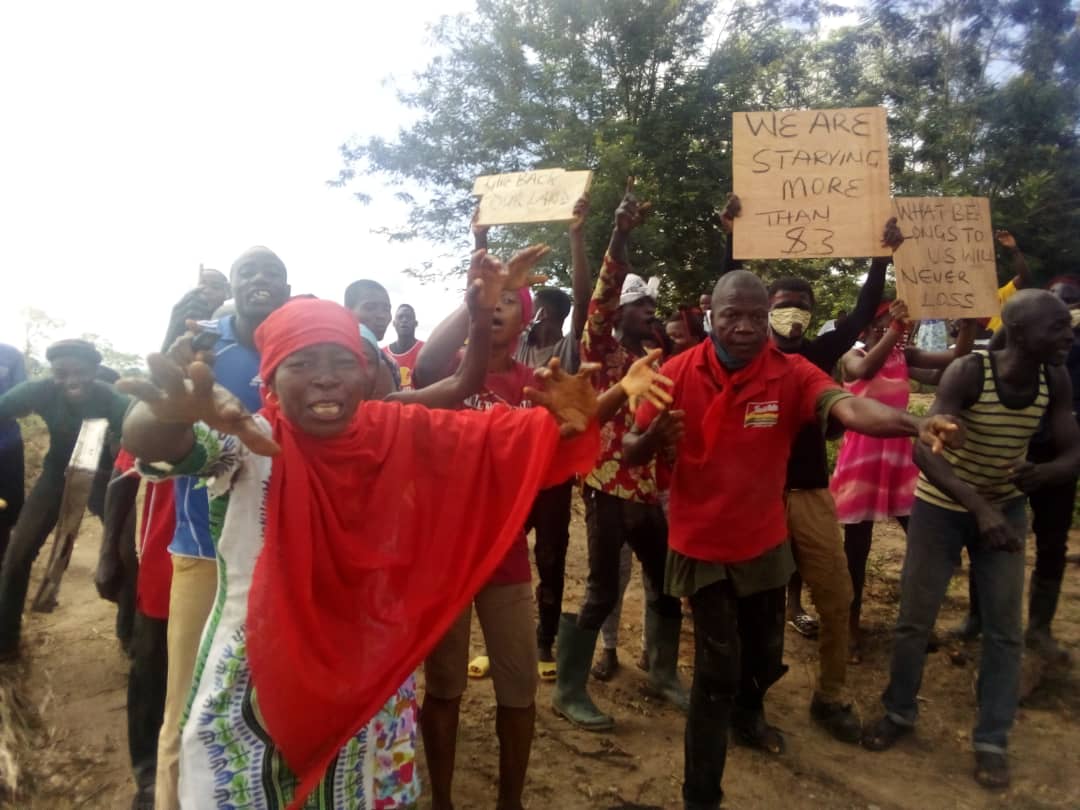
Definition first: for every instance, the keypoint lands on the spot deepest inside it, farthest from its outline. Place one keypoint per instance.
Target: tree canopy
(983, 98)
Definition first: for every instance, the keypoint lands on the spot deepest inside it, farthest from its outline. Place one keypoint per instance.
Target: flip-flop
(546, 670)
(805, 625)
(479, 667)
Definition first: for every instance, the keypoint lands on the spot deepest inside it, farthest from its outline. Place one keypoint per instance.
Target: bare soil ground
(64, 711)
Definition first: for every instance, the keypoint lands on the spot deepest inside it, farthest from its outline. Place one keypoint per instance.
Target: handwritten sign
(813, 183)
(545, 195)
(946, 267)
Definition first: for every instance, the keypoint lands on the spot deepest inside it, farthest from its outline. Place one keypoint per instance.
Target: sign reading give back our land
(813, 183)
(545, 195)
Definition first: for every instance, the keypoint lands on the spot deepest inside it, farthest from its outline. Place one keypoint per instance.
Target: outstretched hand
(940, 431)
(519, 268)
(176, 399)
(570, 398)
(630, 213)
(643, 381)
(892, 238)
(1005, 239)
(487, 278)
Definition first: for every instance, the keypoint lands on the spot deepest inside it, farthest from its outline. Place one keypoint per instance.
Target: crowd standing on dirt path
(321, 515)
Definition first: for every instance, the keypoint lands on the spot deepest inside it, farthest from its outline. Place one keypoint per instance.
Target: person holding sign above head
(974, 497)
(874, 479)
(622, 502)
(742, 403)
(1020, 281)
(811, 514)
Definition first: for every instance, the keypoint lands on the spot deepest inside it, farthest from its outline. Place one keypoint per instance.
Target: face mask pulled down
(783, 320)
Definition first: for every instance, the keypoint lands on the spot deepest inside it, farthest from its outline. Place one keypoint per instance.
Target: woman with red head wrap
(345, 554)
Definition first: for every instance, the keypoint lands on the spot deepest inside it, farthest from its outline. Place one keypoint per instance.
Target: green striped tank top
(996, 440)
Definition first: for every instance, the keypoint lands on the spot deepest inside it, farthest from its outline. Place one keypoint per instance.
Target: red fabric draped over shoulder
(375, 542)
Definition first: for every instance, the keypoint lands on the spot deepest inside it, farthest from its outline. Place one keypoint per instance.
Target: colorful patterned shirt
(599, 345)
(227, 758)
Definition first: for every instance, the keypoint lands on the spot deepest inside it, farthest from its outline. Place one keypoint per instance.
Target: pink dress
(875, 478)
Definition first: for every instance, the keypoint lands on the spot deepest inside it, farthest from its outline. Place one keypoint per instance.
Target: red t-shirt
(155, 563)
(505, 388)
(727, 485)
(406, 363)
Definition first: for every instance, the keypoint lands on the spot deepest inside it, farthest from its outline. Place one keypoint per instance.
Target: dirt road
(75, 681)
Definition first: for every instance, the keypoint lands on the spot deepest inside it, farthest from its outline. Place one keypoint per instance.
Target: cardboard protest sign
(545, 195)
(946, 267)
(813, 183)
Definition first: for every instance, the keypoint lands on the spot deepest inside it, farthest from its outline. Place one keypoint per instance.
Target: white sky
(140, 139)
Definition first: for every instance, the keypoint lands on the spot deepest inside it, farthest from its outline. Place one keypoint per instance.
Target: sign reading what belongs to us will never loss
(945, 268)
(813, 183)
(544, 195)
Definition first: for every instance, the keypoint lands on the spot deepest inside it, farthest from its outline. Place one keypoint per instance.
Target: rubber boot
(662, 642)
(1042, 605)
(574, 651)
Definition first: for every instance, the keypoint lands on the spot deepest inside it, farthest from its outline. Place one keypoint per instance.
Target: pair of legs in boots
(505, 615)
(612, 522)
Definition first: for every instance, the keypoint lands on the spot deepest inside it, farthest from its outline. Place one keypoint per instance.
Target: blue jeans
(935, 538)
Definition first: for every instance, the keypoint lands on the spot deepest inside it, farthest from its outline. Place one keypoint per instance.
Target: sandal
(805, 625)
(479, 667)
(883, 734)
(991, 770)
(546, 670)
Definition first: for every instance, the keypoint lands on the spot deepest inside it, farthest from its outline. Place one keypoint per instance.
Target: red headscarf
(375, 541)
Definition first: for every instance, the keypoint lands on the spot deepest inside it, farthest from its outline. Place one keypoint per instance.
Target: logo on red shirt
(762, 414)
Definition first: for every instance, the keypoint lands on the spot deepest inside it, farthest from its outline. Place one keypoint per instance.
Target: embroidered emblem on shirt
(762, 414)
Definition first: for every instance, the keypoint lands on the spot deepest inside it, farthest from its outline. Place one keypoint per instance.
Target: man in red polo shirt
(743, 402)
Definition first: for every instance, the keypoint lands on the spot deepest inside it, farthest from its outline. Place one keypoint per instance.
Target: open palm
(570, 398)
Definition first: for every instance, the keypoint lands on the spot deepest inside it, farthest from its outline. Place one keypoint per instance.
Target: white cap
(635, 288)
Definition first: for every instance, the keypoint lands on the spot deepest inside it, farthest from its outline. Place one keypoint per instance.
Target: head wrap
(635, 288)
(300, 323)
(782, 319)
(78, 349)
(375, 540)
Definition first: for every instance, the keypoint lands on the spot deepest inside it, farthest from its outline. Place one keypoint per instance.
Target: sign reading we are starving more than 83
(813, 183)
(544, 195)
(946, 266)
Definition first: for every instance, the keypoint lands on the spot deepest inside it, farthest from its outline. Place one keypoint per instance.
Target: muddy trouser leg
(647, 536)
(712, 694)
(146, 694)
(761, 639)
(550, 517)
(606, 531)
(38, 518)
(1052, 511)
(935, 538)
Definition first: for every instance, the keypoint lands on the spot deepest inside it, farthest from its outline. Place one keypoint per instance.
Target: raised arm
(865, 365)
(600, 323)
(480, 299)
(1022, 275)
(732, 209)
(582, 278)
(847, 332)
(1064, 434)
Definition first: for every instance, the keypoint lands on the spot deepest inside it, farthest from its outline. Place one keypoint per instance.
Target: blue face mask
(726, 360)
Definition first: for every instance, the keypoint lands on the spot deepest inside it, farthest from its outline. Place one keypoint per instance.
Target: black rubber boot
(570, 699)
(662, 642)
(1042, 605)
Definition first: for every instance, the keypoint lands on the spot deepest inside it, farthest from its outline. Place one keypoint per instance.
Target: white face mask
(783, 319)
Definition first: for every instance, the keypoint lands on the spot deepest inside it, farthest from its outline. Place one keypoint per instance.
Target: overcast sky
(140, 139)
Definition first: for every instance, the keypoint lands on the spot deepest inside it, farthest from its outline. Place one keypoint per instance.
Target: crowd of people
(322, 516)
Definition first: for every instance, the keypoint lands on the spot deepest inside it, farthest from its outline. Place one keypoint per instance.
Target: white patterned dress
(227, 760)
